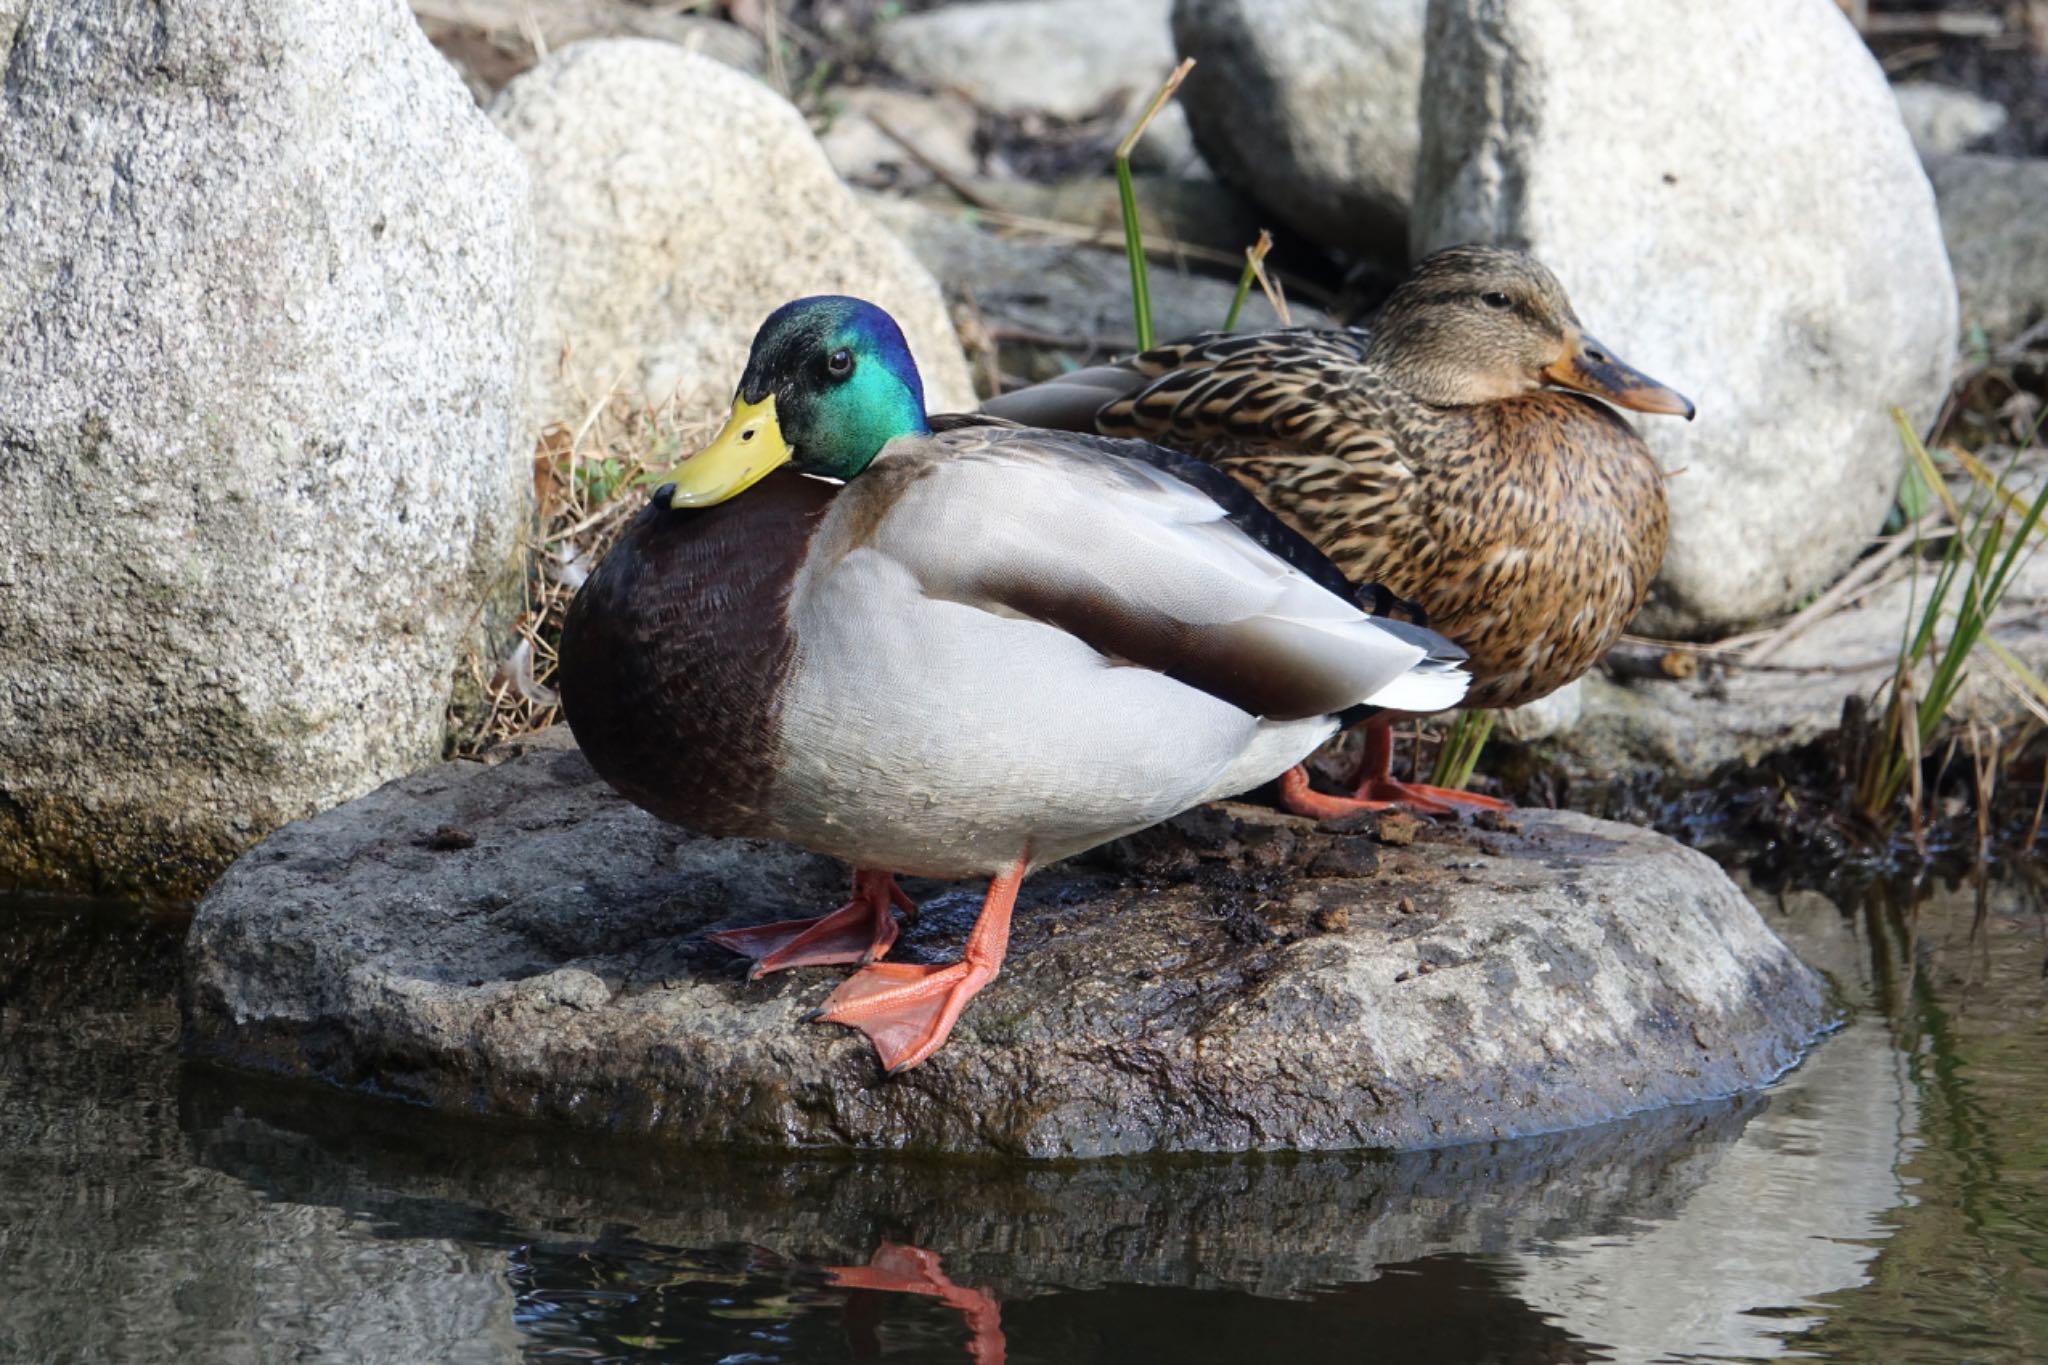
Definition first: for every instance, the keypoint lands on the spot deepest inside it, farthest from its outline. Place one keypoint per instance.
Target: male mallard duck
(981, 650)
(1427, 456)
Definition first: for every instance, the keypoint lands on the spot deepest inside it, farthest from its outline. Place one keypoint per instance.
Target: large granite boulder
(1730, 196)
(679, 202)
(1310, 105)
(261, 458)
(1994, 212)
(516, 939)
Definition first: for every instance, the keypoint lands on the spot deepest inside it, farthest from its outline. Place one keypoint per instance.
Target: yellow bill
(742, 454)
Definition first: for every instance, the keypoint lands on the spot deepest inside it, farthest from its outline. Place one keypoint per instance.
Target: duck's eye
(1493, 298)
(840, 363)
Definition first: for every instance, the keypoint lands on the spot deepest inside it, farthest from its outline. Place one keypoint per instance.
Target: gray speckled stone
(261, 458)
(1068, 58)
(1236, 981)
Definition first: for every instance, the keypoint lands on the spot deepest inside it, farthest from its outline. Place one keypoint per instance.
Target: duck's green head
(829, 382)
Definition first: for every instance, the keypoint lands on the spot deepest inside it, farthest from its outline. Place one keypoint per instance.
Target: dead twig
(1941, 23)
(968, 194)
(1861, 576)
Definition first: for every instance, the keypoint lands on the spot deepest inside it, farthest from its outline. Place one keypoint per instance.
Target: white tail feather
(1429, 687)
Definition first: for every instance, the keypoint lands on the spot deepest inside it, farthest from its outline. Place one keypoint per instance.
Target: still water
(1887, 1201)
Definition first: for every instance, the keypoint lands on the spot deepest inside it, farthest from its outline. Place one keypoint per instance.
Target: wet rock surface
(1261, 1226)
(1236, 980)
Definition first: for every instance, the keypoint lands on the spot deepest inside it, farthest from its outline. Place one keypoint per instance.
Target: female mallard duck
(1427, 456)
(984, 649)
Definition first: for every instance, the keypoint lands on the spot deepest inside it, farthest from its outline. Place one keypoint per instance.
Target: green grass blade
(1134, 249)
(1127, 196)
(1462, 746)
(1253, 256)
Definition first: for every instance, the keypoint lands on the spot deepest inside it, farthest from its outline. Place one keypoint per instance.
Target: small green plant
(1979, 560)
(1254, 269)
(598, 479)
(1459, 755)
(1127, 195)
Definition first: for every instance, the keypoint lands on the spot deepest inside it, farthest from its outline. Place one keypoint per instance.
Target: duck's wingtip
(1430, 686)
(1436, 649)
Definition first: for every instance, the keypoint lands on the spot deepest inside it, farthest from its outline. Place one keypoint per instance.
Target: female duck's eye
(1495, 299)
(840, 363)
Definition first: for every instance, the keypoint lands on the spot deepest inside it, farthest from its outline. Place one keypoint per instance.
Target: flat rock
(678, 203)
(515, 939)
(1311, 106)
(1994, 213)
(262, 462)
(1729, 195)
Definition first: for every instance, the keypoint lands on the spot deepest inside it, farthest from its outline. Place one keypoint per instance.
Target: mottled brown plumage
(1426, 456)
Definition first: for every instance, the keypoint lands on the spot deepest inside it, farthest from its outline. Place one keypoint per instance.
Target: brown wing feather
(1528, 529)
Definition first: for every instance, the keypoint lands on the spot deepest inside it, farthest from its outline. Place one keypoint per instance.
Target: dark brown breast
(674, 651)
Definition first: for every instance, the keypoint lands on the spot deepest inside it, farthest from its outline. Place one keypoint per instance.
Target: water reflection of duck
(1426, 455)
(899, 1269)
(1119, 1256)
(985, 649)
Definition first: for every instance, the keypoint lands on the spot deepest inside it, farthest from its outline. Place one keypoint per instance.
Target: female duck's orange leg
(859, 931)
(1378, 789)
(907, 1009)
(897, 1269)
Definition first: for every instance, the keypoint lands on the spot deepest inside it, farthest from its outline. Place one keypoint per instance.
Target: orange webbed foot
(908, 1009)
(861, 930)
(1423, 798)
(1377, 794)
